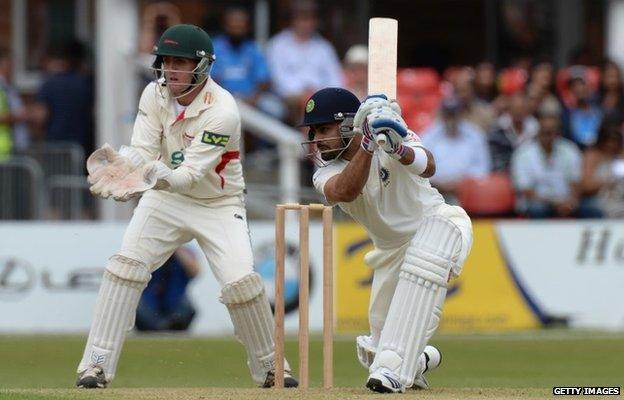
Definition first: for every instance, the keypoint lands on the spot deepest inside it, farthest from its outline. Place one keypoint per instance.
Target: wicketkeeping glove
(106, 166)
(151, 176)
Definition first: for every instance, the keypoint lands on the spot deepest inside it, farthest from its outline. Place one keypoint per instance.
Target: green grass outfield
(505, 366)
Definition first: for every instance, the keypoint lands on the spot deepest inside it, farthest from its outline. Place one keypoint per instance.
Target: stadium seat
(512, 80)
(491, 196)
(419, 94)
(418, 81)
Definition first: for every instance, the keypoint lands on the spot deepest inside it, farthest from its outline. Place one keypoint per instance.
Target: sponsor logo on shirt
(176, 158)
(215, 139)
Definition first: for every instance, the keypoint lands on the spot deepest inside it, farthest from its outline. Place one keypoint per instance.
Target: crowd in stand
(552, 138)
(557, 136)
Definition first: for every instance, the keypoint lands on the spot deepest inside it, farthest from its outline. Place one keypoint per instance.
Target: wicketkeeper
(184, 161)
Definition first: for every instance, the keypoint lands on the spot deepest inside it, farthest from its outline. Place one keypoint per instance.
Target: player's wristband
(419, 165)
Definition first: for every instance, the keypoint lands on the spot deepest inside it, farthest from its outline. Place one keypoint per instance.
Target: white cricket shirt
(203, 138)
(392, 201)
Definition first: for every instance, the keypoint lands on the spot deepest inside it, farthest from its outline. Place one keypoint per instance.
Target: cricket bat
(382, 59)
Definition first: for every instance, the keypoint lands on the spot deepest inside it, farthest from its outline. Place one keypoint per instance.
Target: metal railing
(22, 190)
(69, 197)
(46, 181)
(288, 141)
(58, 158)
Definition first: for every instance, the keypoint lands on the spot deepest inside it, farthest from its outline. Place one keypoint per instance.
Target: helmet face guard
(187, 42)
(201, 72)
(346, 132)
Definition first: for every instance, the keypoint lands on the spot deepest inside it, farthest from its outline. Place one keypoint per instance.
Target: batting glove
(387, 122)
(368, 142)
(371, 103)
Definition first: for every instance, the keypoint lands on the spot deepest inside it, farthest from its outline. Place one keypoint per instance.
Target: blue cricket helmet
(329, 105)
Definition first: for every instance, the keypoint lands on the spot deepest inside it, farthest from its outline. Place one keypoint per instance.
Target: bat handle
(381, 139)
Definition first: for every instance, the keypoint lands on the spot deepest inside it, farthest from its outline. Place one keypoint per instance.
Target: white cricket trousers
(164, 221)
(386, 264)
(161, 223)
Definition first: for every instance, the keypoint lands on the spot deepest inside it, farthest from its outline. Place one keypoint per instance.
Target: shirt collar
(203, 101)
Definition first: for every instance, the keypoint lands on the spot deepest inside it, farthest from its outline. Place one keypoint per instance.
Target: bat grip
(382, 139)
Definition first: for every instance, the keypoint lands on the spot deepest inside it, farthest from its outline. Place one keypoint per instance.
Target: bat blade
(382, 59)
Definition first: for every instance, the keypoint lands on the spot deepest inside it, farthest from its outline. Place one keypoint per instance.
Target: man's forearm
(353, 178)
(418, 160)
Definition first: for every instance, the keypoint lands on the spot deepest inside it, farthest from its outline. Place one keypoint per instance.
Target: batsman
(184, 161)
(420, 242)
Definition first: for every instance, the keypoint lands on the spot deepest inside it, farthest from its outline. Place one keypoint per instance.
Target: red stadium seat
(490, 196)
(419, 111)
(418, 81)
(512, 80)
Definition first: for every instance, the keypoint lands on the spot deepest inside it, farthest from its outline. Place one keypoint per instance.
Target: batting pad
(253, 323)
(123, 281)
(416, 306)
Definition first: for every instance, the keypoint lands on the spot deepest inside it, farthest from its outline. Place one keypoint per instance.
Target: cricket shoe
(92, 378)
(432, 360)
(289, 380)
(384, 381)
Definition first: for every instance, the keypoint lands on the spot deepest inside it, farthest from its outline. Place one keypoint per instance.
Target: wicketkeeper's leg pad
(416, 306)
(122, 284)
(251, 315)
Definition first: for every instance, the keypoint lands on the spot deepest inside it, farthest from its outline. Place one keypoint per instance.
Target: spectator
(602, 179)
(610, 95)
(459, 148)
(543, 76)
(356, 70)
(512, 129)
(546, 173)
(540, 90)
(474, 110)
(582, 121)
(164, 304)
(485, 82)
(64, 103)
(14, 134)
(241, 67)
(301, 61)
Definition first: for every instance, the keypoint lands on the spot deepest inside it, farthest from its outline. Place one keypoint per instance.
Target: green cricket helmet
(185, 41)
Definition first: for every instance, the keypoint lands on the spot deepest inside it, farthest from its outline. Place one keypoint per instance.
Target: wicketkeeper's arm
(147, 131)
(202, 157)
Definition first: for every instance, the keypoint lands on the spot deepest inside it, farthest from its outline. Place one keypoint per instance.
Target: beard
(328, 155)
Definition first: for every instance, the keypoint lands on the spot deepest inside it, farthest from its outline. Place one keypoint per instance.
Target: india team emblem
(384, 174)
